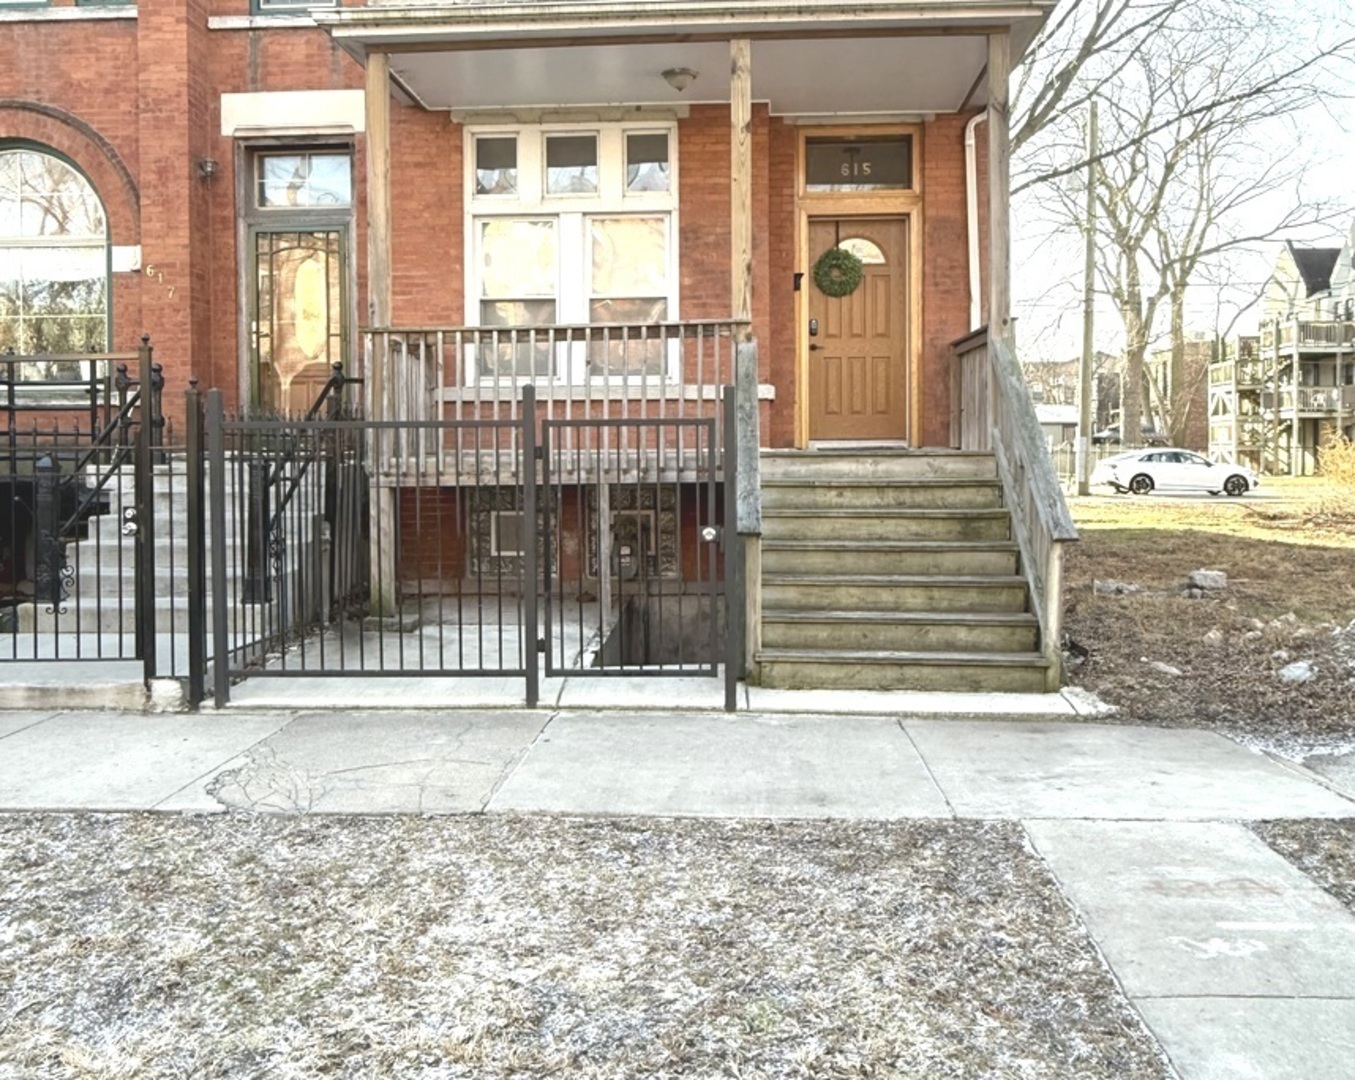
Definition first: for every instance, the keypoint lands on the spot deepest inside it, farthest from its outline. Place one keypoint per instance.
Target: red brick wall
(945, 269)
(66, 86)
(427, 219)
(778, 345)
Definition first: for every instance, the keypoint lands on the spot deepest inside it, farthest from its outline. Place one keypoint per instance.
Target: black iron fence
(85, 465)
(510, 546)
(351, 547)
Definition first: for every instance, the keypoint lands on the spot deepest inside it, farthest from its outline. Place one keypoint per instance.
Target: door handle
(814, 346)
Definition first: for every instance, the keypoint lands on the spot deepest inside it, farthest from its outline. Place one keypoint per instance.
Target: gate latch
(710, 534)
(129, 521)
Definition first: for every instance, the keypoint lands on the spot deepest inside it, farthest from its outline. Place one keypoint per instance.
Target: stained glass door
(299, 315)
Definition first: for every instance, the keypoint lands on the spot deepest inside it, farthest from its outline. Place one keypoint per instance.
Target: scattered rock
(1256, 624)
(1298, 673)
(1282, 656)
(1284, 622)
(1166, 669)
(1208, 579)
(1251, 635)
(1114, 588)
(1087, 703)
(1214, 637)
(1074, 653)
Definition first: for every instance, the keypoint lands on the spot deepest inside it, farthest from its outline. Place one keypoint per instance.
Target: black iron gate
(347, 547)
(642, 592)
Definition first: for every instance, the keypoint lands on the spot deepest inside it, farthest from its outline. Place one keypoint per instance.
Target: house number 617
(159, 276)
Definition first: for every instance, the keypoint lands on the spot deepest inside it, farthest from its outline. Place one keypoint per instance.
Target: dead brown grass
(1337, 462)
(141, 947)
(1291, 590)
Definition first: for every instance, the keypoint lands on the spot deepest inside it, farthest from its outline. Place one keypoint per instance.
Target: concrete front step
(832, 495)
(889, 557)
(90, 616)
(901, 631)
(829, 465)
(882, 524)
(893, 592)
(806, 669)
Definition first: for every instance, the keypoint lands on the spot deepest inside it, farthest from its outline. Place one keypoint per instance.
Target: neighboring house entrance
(858, 343)
(299, 315)
(298, 208)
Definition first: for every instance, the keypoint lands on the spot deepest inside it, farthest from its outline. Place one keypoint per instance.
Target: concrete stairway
(101, 586)
(892, 570)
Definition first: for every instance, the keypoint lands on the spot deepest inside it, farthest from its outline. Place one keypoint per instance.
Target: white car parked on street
(1164, 468)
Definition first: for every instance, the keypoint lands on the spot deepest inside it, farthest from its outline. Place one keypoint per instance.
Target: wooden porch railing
(1327, 334)
(1312, 399)
(672, 370)
(991, 410)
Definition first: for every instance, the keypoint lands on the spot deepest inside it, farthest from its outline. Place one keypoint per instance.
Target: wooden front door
(858, 344)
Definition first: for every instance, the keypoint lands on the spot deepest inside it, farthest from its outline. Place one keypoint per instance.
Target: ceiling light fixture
(679, 78)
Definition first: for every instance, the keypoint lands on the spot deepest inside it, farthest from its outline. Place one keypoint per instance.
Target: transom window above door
(301, 179)
(571, 225)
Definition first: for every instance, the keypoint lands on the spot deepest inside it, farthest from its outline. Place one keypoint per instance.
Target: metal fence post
(257, 583)
(531, 534)
(49, 557)
(145, 523)
(196, 534)
(733, 545)
(216, 460)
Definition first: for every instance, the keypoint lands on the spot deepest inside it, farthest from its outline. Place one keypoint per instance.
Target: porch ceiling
(867, 57)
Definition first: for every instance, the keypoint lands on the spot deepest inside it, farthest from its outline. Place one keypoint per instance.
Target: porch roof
(861, 57)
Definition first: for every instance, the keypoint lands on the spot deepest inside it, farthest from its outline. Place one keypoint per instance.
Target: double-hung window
(571, 226)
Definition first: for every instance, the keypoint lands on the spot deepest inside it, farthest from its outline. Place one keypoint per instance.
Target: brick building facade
(144, 101)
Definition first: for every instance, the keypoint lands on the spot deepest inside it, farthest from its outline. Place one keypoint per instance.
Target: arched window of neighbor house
(53, 258)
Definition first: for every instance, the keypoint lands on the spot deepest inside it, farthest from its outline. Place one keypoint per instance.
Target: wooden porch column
(749, 524)
(378, 190)
(741, 177)
(381, 396)
(999, 189)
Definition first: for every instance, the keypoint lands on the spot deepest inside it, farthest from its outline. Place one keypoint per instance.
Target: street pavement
(1240, 965)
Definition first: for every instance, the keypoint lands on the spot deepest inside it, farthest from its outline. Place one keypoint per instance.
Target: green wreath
(838, 272)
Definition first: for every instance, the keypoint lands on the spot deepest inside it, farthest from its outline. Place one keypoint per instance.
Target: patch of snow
(1208, 579)
(1115, 588)
(1298, 673)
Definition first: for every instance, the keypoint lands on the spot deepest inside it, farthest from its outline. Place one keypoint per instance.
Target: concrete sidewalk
(1232, 956)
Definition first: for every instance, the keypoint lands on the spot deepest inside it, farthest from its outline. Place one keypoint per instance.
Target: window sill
(41, 13)
(281, 21)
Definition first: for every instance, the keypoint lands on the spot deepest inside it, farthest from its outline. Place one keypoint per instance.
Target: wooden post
(380, 394)
(741, 177)
(746, 364)
(378, 189)
(999, 190)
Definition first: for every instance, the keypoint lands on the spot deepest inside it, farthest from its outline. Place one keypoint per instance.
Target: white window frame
(572, 214)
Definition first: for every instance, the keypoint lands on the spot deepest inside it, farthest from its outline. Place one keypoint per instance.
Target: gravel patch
(166, 946)
(1324, 850)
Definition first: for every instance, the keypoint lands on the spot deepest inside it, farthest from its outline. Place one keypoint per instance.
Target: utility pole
(1084, 381)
